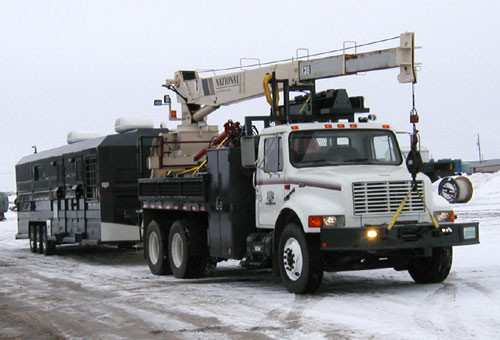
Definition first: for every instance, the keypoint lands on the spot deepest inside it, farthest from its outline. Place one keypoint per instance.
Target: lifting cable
(292, 59)
(414, 165)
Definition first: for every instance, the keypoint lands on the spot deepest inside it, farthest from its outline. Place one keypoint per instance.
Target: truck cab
(338, 196)
(335, 175)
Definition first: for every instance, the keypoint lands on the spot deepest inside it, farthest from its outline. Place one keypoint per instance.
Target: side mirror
(249, 147)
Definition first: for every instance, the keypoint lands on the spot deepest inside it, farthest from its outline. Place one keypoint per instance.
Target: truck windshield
(312, 148)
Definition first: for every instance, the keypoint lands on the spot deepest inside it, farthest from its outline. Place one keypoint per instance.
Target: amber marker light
(386, 126)
(372, 233)
(328, 126)
(315, 221)
(341, 126)
(353, 125)
(294, 127)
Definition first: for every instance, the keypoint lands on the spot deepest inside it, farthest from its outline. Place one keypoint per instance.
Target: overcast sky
(79, 65)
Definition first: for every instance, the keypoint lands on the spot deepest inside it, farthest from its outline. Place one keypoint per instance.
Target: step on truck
(322, 187)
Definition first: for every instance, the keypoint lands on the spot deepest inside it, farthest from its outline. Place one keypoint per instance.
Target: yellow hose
(198, 167)
(267, 92)
(304, 106)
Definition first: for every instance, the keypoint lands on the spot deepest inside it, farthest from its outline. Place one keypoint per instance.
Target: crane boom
(201, 96)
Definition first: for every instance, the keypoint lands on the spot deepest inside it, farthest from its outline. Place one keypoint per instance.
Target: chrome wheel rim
(44, 239)
(32, 238)
(177, 250)
(292, 259)
(153, 248)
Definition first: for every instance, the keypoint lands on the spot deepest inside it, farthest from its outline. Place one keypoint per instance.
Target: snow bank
(486, 185)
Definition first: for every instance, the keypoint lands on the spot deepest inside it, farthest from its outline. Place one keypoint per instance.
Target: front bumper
(400, 237)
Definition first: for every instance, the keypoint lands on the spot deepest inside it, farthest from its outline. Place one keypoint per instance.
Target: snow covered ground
(109, 293)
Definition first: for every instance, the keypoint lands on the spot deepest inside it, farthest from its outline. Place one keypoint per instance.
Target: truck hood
(334, 178)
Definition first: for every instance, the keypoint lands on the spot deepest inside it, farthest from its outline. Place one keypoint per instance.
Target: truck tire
(300, 262)
(432, 269)
(156, 252)
(187, 253)
(33, 238)
(48, 247)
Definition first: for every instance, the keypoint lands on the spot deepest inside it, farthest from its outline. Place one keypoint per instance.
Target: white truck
(316, 190)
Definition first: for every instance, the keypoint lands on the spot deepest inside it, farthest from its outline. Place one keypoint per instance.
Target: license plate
(469, 232)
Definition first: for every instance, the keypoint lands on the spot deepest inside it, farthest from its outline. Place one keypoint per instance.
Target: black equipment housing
(231, 215)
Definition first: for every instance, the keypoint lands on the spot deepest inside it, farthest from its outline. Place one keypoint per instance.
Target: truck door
(270, 182)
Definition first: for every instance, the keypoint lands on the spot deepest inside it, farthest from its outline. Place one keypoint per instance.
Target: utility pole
(479, 148)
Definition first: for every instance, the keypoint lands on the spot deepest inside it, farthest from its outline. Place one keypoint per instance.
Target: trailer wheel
(432, 269)
(48, 247)
(156, 253)
(39, 239)
(33, 238)
(187, 252)
(300, 262)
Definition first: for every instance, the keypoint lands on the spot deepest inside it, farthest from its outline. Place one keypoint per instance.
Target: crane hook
(414, 162)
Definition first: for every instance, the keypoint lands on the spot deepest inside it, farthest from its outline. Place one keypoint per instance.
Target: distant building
(489, 166)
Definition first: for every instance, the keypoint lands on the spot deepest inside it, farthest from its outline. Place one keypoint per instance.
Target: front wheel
(156, 252)
(300, 262)
(432, 269)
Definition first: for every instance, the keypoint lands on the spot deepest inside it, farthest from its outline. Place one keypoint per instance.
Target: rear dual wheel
(188, 252)
(156, 249)
(39, 242)
(33, 235)
(48, 246)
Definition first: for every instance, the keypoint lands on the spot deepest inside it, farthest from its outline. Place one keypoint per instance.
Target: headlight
(333, 221)
(444, 216)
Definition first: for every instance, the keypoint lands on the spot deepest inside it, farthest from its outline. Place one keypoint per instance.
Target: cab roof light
(385, 126)
(353, 125)
(341, 126)
(328, 126)
(294, 127)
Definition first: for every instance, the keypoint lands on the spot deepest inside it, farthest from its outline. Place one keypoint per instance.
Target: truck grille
(385, 197)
